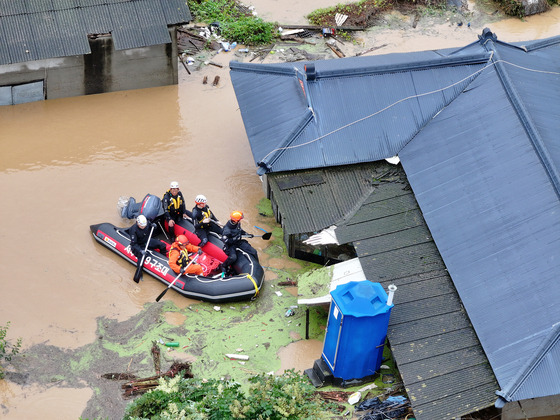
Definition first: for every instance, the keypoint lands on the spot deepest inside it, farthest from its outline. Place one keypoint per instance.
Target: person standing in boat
(139, 234)
(179, 256)
(204, 220)
(174, 209)
(232, 237)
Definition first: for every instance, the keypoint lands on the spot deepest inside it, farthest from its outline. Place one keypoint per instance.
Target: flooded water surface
(65, 163)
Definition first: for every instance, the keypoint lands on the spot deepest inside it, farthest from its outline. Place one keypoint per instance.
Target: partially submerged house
(468, 224)
(55, 49)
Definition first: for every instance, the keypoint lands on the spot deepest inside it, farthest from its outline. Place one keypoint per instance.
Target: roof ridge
(525, 118)
(506, 394)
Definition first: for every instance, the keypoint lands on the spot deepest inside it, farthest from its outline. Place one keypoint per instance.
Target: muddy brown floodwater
(65, 162)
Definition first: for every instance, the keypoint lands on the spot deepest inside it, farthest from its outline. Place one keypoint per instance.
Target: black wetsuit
(232, 239)
(201, 229)
(173, 206)
(139, 238)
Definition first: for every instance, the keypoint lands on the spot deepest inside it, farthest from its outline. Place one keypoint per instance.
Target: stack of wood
(336, 396)
(141, 385)
(190, 42)
(136, 386)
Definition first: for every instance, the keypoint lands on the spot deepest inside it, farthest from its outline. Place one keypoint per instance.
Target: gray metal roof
(290, 130)
(444, 369)
(46, 29)
(482, 160)
(440, 359)
(488, 188)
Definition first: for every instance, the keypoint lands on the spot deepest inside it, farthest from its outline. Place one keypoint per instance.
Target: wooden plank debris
(336, 50)
(237, 356)
(320, 28)
(370, 50)
(184, 65)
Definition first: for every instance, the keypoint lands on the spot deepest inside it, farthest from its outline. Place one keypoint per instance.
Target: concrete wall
(104, 70)
(545, 408)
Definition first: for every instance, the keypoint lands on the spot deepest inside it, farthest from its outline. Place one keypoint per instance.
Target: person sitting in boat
(139, 234)
(232, 237)
(204, 220)
(174, 209)
(179, 256)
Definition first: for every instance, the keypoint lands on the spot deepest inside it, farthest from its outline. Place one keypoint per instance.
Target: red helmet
(236, 215)
(182, 239)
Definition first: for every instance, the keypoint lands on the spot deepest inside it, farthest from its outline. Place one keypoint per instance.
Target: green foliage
(433, 8)
(289, 396)
(7, 349)
(265, 207)
(235, 24)
(249, 31)
(512, 8)
(325, 17)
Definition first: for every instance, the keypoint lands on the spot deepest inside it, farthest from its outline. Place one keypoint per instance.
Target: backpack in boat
(208, 264)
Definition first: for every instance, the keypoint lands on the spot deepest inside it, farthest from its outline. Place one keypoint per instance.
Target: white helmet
(142, 221)
(200, 199)
(174, 184)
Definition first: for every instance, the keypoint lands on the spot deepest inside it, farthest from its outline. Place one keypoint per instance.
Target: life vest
(183, 259)
(207, 214)
(174, 202)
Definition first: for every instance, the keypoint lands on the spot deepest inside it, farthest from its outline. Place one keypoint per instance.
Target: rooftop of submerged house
(475, 130)
(42, 29)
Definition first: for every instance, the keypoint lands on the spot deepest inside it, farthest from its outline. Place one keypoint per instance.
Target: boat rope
(254, 284)
(406, 99)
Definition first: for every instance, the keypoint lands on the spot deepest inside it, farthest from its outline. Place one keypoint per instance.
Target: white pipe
(392, 289)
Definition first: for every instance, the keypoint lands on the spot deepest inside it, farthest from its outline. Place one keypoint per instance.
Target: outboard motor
(149, 207)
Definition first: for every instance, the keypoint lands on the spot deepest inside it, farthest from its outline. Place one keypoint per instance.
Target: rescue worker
(204, 220)
(232, 237)
(174, 209)
(139, 234)
(179, 256)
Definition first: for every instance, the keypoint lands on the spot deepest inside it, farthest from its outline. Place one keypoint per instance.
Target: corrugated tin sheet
(19, 37)
(98, 20)
(128, 30)
(35, 30)
(344, 189)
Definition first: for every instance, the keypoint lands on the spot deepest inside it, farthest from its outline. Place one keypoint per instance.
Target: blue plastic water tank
(356, 329)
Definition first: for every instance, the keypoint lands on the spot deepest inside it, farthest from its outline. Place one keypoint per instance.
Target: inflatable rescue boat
(212, 285)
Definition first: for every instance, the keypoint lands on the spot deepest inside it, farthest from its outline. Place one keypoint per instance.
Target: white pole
(392, 289)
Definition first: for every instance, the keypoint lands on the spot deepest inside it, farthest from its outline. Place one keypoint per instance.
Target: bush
(289, 396)
(235, 23)
(249, 31)
(7, 350)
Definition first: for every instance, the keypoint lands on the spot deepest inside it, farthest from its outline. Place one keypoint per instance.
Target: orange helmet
(236, 215)
(182, 239)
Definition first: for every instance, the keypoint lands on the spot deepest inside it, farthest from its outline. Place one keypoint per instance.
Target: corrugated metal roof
(343, 188)
(16, 30)
(35, 30)
(98, 20)
(484, 170)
